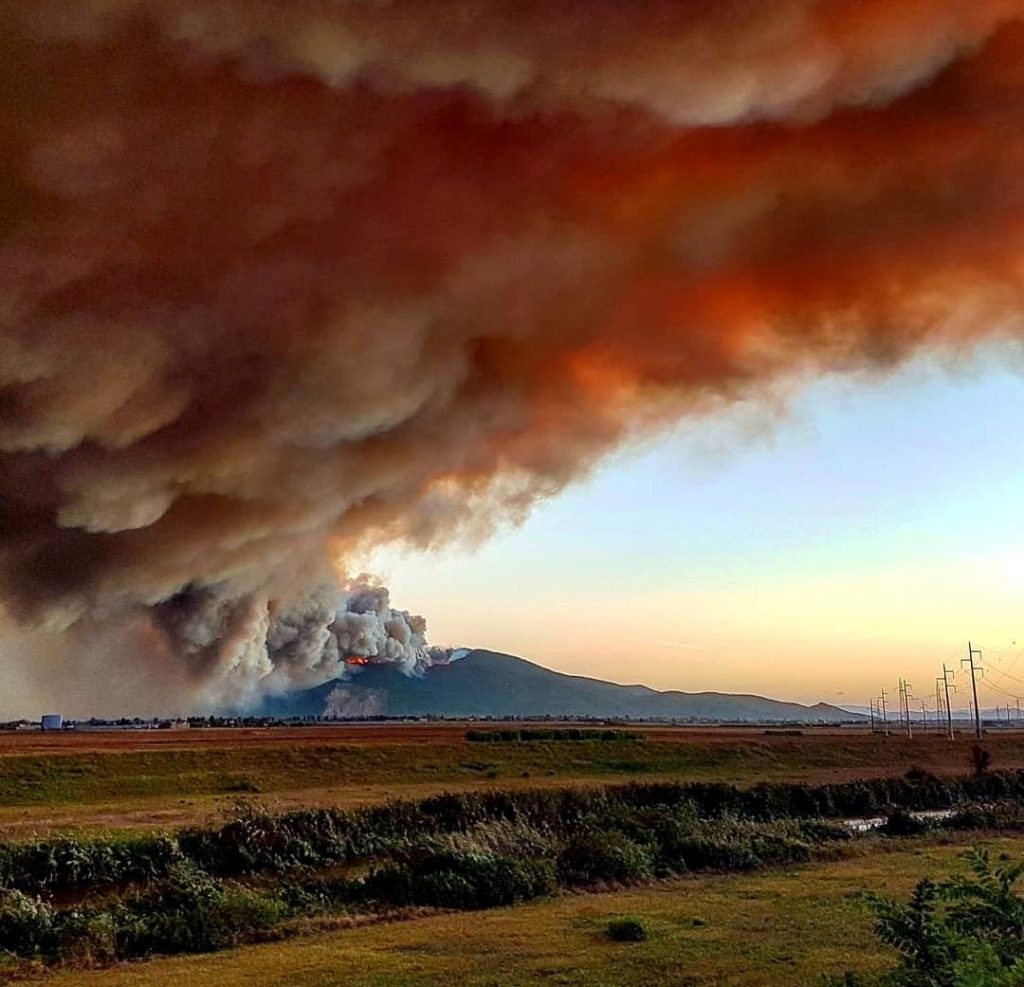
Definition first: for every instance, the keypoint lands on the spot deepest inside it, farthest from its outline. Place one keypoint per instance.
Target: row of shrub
(615, 836)
(530, 734)
(189, 910)
(66, 862)
(254, 841)
(185, 912)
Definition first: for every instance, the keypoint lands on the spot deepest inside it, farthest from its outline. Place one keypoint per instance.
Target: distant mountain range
(485, 683)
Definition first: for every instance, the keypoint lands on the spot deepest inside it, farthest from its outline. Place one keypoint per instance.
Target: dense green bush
(66, 863)
(737, 845)
(979, 759)
(460, 880)
(663, 830)
(603, 855)
(967, 931)
(627, 930)
(313, 894)
(88, 937)
(191, 912)
(186, 912)
(26, 924)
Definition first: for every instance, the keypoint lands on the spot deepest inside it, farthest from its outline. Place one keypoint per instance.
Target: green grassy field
(783, 927)
(92, 777)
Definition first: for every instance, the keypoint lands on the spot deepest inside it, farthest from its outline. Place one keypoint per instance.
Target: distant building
(51, 721)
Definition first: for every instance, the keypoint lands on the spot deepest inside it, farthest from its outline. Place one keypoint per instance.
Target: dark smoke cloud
(279, 281)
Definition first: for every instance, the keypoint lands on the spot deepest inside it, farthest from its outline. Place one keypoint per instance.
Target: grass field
(153, 779)
(783, 927)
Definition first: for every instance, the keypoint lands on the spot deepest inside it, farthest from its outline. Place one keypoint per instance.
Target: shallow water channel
(876, 822)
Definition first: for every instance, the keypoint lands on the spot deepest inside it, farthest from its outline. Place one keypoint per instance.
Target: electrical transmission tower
(905, 696)
(969, 662)
(946, 673)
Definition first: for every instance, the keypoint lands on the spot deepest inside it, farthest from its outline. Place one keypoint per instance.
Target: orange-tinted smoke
(280, 276)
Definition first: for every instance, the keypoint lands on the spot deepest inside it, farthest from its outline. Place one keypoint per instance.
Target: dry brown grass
(159, 779)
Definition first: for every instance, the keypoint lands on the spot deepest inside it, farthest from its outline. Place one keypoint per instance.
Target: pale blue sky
(868, 528)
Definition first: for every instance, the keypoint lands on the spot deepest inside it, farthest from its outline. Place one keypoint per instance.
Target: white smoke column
(241, 648)
(367, 626)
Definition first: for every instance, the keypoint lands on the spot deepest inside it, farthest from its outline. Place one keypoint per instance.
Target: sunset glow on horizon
(865, 533)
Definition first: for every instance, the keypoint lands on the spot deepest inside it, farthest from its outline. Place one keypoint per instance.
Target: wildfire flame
(357, 660)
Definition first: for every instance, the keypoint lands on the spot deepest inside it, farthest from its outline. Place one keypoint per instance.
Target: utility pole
(906, 696)
(949, 709)
(899, 715)
(885, 717)
(924, 717)
(969, 661)
(1018, 710)
(871, 707)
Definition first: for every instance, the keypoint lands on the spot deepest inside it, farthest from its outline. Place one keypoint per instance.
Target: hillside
(485, 683)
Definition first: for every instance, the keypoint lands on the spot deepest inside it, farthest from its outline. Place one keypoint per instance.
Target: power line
(988, 684)
(999, 671)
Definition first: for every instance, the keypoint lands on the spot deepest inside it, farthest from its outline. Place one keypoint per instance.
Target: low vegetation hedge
(461, 880)
(209, 888)
(535, 734)
(604, 855)
(65, 863)
(652, 814)
(187, 912)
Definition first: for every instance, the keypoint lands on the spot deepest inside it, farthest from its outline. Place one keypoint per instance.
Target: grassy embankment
(782, 927)
(263, 875)
(199, 778)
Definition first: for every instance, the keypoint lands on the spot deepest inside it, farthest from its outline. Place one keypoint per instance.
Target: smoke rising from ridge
(278, 281)
(241, 647)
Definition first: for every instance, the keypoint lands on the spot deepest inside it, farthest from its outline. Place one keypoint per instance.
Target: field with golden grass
(94, 781)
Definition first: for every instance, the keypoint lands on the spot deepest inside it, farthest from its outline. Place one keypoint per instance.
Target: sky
(375, 276)
(863, 533)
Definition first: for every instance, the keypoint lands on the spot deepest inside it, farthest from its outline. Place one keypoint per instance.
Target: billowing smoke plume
(281, 280)
(239, 647)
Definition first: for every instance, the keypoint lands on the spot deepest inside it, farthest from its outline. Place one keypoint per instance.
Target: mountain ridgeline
(485, 683)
